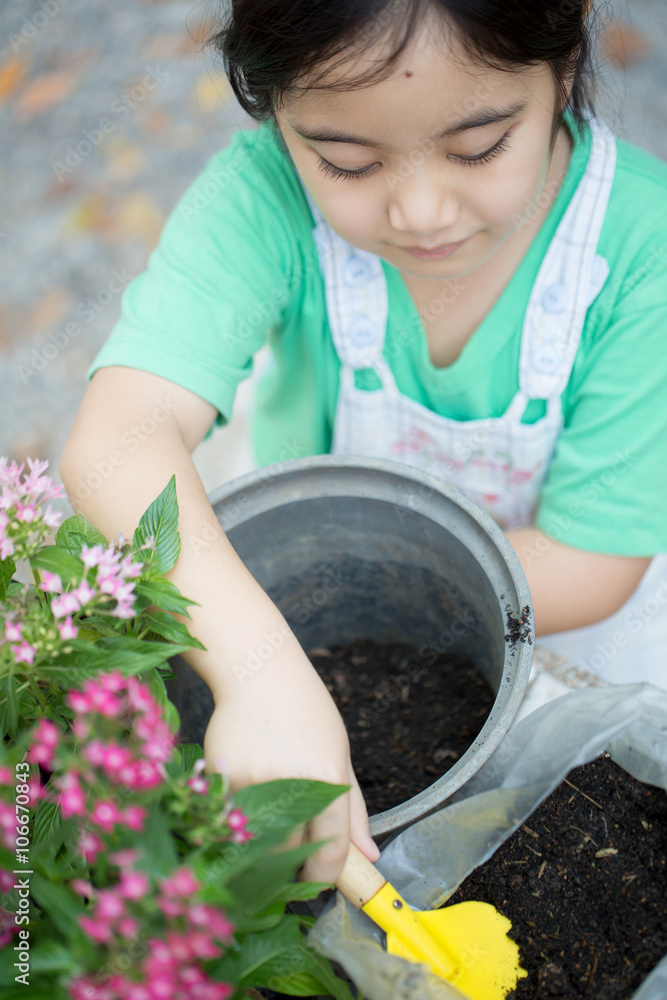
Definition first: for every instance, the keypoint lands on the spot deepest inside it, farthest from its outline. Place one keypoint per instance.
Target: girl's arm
(570, 587)
(132, 432)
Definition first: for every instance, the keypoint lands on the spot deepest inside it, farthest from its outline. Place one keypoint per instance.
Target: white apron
(500, 463)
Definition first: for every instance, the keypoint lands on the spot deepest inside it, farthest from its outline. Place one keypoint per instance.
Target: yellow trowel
(466, 944)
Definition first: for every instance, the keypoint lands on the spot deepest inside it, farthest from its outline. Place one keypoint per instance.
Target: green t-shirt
(237, 264)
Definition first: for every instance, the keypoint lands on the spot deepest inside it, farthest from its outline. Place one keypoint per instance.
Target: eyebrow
(478, 120)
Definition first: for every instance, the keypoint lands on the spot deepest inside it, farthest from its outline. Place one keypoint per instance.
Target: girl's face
(407, 166)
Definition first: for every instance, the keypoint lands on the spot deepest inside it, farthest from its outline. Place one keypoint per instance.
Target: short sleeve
(606, 488)
(214, 284)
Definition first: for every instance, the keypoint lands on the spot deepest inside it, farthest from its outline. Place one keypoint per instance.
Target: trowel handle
(359, 880)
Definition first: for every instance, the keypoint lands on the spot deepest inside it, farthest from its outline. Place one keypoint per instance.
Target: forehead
(434, 82)
(432, 87)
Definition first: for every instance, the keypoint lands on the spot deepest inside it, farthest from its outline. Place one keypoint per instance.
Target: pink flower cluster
(24, 651)
(170, 971)
(8, 925)
(139, 767)
(114, 578)
(23, 526)
(237, 823)
(45, 739)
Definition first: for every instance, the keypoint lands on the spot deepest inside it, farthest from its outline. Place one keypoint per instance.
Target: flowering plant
(126, 872)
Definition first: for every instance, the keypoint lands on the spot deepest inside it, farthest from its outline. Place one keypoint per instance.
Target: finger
(296, 838)
(333, 824)
(359, 826)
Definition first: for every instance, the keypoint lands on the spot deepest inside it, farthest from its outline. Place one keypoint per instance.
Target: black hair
(268, 45)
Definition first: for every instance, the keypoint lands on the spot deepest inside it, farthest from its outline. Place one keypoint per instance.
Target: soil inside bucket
(408, 722)
(584, 883)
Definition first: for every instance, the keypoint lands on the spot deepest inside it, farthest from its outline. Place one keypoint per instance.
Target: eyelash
(499, 147)
(329, 170)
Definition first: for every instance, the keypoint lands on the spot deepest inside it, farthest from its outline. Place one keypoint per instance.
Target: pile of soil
(409, 718)
(584, 883)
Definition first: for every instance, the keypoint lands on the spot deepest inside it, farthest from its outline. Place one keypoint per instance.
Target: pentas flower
(197, 783)
(67, 629)
(13, 631)
(114, 575)
(23, 524)
(72, 801)
(7, 825)
(171, 969)
(51, 582)
(104, 705)
(65, 604)
(45, 738)
(90, 846)
(8, 926)
(6, 880)
(24, 652)
(237, 824)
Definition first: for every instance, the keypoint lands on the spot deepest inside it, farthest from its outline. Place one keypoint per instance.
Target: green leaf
(281, 960)
(255, 950)
(156, 844)
(50, 956)
(160, 522)
(280, 979)
(76, 532)
(47, 824)
(122, 652)
(57, 560)
(7, 570)
(300, 891)
(163, 594)
(60, 903)
(44, 990)
(277, 807)
(9, 707)
(163, 624)
(185, 756)
(322, 972)
(267, 876)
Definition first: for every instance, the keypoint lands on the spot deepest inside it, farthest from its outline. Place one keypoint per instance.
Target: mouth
(433, 253)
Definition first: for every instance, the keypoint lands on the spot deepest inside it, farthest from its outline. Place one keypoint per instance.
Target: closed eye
(329, 170)
(340, 173)
(499, 147)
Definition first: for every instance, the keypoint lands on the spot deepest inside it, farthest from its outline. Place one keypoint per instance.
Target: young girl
(460, 268)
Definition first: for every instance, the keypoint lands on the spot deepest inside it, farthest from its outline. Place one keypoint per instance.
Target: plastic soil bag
(428, 861)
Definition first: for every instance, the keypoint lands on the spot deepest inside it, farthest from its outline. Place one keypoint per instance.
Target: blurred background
(81, 209)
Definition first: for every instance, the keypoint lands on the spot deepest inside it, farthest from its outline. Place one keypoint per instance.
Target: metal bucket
(353, 548)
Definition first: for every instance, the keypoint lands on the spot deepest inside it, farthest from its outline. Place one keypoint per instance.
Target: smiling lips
(435, 252)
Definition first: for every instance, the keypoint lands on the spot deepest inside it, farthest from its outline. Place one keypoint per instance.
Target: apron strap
(570, 277)
(356, 294)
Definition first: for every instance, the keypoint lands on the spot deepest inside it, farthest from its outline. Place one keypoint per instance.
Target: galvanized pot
(352, 548)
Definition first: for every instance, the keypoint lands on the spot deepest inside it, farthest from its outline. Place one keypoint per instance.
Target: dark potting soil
(584, 883)
(408, 722)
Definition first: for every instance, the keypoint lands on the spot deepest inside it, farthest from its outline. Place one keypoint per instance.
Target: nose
(423, 205)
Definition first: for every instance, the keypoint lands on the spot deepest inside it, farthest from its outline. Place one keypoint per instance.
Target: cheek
(513, 193)
(352, 213)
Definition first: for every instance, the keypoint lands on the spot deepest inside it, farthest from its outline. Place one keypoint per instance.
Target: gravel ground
(81, 208)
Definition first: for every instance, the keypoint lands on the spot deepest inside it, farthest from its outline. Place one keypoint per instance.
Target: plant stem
(34, 687)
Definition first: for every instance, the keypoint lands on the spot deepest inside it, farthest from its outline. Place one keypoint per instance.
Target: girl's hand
(274, 722)
(282, 723)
